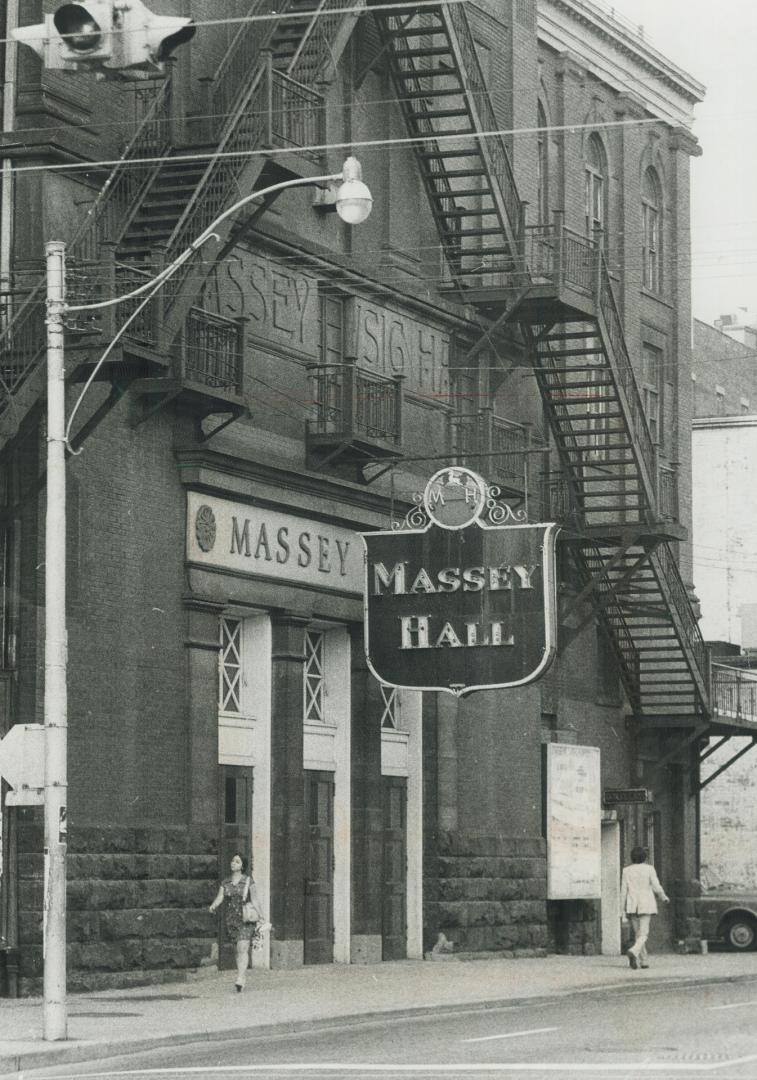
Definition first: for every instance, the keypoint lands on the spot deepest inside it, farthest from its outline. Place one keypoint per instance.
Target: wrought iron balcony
(667, 493)
(495, 447)
(734, 696)
(358, 416)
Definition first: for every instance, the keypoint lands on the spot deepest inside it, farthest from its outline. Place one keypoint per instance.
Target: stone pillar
(287, 790)
(202, 644)
(447, 721)
(367, 807)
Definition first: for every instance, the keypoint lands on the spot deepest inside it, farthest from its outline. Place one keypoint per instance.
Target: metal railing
(560, 255)
(297, 115)
(212, 350)
(679, 604)
(479, 102)
(498, 445)
(608, 308)
(351, 402)
(667, 493)
(734, 692)
(611, 612)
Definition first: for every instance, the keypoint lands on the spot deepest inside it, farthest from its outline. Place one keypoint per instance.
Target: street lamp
(353, 204)
(353, 199)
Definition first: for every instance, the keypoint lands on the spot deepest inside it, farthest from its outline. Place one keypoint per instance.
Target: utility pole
(56, 649)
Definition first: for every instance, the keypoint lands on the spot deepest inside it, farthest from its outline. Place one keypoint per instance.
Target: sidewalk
(115, 1022)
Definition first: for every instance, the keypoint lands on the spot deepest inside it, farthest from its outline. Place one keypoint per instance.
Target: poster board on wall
(574, 822)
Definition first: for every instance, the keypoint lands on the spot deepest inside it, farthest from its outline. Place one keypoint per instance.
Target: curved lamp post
(353, 204)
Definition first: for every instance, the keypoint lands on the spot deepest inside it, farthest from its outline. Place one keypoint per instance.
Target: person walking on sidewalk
(639, 889)
(234, 892)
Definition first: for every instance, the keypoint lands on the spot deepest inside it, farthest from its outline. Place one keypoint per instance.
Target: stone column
(287, 789)
(202, 645)
(367, 809)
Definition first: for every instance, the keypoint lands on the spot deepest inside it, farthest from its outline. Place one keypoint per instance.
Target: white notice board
(574, 822)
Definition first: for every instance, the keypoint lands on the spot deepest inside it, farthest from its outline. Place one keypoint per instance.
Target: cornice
(617, 55)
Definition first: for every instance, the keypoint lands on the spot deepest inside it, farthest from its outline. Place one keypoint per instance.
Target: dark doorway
(319, 868)
(394, 870)
(235, 817)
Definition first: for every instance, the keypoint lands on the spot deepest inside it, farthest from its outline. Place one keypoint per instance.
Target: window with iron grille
(390, 717)
(315, 676)
(230, 666)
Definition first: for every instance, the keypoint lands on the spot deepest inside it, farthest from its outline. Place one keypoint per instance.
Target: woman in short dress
(234, 892)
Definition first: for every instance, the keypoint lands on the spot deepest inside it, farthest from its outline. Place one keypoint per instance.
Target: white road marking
(362, 1070)
(736, 1005)
(510, 1035)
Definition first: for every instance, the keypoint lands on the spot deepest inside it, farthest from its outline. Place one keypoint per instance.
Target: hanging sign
(463, 602)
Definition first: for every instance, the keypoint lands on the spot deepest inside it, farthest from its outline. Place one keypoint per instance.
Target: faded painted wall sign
(281, 304)
(283, 309)
(392, 343)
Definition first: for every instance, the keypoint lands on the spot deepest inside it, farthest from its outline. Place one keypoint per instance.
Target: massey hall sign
(460, 603)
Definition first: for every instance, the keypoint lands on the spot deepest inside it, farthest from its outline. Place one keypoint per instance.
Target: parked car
(731, 918)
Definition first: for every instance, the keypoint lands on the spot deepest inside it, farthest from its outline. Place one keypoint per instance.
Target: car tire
(740, 933)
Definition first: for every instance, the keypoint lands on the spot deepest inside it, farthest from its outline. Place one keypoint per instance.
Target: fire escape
(165, 190)
(554, 285)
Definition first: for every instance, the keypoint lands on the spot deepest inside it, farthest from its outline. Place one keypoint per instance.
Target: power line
(363, 144)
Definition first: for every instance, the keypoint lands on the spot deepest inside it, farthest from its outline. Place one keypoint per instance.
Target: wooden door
(235, 817)
(319, 867)
(394, 869)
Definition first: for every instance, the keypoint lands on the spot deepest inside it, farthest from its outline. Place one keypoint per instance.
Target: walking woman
(235, 890)
(639, 889)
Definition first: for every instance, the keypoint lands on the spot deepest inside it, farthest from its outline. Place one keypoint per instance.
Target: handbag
(250, 913)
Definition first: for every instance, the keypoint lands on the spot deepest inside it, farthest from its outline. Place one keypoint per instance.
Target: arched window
(542, 166)
(651, 206)
(596, 185)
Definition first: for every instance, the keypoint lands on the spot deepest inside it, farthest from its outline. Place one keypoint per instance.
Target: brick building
(517, 301)
(724, 442)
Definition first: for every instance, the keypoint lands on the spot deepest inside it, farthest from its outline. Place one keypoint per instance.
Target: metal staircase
(555, 285)
(151, 211)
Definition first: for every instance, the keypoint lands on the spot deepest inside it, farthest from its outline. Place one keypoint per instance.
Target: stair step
(463, 233)
(584, 384)
(469, 193)
(569, 369)
(420, 31)
(463, 212)
(427, 73)
(557, 353)
(442, 154)
(430, 50)
(437, 92)
(591, 399)
(571, 335)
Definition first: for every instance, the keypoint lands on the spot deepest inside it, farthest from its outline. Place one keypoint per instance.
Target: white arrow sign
(22, 764)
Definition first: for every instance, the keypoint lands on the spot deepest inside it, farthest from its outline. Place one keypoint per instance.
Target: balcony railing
(667, 493)
(497, 448)
(355, 405)
(734, 693)
(211, 350)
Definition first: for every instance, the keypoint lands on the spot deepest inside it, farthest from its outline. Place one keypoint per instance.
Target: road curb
(64, 1054)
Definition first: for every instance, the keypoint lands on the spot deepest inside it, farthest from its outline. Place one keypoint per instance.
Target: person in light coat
(639, 889)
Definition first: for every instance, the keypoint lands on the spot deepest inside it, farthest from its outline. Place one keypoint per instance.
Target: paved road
(628, 1031)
